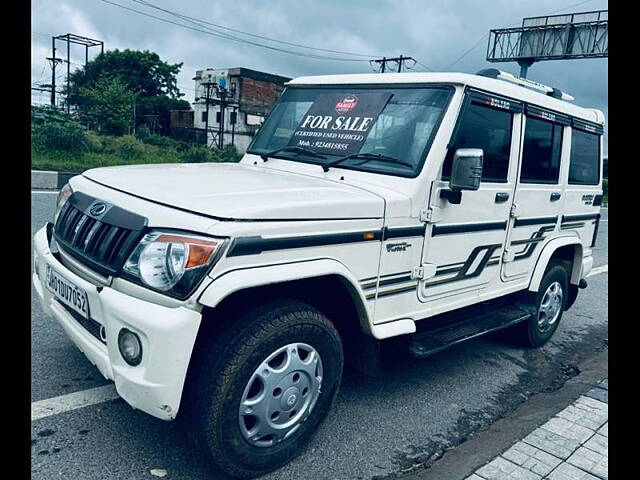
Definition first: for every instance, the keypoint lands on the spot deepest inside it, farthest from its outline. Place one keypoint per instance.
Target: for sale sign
(338, 124)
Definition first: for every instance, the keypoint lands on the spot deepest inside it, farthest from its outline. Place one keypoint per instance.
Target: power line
(231, 37)
(201, 22)
(423, 65)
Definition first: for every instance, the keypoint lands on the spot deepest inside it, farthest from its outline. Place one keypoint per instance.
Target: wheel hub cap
(550, 306)
(280, 394)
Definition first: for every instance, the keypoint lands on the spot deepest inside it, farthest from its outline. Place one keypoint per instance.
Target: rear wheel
(549, 302)
(264, 387)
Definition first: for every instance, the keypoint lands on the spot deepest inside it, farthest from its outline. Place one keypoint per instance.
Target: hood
(241, 192)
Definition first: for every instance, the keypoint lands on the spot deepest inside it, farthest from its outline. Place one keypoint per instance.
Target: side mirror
(466, 173)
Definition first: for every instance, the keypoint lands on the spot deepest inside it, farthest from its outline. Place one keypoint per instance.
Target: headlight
(172, 262)
(63, 196)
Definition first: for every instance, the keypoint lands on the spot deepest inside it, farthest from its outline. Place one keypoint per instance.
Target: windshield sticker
(338, 124)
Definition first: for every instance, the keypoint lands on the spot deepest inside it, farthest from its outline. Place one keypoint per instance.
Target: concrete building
(255, 94)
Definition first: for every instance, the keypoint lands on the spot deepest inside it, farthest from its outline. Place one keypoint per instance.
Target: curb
(49, 180)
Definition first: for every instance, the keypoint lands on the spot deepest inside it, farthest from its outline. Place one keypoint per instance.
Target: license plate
(67, 292)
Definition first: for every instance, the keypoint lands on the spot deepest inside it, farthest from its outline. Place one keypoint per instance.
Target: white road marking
(50, 192)
(599, 270)
(72, 401)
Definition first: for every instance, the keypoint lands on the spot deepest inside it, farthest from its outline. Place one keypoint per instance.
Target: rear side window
(490, 130)
(584, 166)
(541, 152)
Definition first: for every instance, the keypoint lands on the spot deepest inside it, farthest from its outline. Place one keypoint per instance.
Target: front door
(465, 241)
(539, 194)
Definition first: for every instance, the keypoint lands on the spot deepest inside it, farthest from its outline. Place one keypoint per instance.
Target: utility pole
(399, 60)
(54, 61)
(207, 99)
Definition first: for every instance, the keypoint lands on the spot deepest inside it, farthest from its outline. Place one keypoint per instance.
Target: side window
(541, 151)
(584, 166)
(490, 130)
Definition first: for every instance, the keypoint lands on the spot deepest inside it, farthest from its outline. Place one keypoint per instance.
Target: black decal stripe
(467, 227)
(570, 226)
(577, 218)
(445, 271)
(390, 281)
(257, 244)
(529, 240)
(532, 242)
(399, 232)
(395, 291)
(521, 222)
(463, 273)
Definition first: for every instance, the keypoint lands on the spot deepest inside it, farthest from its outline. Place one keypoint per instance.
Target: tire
(549, 303)
(232, 370)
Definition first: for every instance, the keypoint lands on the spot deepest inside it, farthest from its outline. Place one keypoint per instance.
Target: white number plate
(68, 293)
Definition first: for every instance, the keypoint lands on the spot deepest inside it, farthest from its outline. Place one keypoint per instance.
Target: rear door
(539, 196)
(581, 213)
(466, 240)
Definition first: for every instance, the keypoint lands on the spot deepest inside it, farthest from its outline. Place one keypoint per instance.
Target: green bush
(129, 147)
(198, 154)
(94, 141)
(605, 186)
(68, 135)
(161, 141)
(231, 154)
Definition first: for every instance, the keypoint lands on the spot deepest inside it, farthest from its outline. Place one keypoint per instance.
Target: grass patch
(106, 151)
(66, 161)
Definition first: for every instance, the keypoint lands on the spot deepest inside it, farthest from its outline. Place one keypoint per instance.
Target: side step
(446, 331)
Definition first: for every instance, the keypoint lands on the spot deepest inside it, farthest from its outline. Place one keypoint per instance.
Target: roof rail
(523, 82)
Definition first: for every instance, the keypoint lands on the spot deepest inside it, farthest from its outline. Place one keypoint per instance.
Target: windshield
(395, 124)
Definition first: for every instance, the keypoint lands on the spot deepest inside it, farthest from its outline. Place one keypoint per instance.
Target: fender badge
(397, 247)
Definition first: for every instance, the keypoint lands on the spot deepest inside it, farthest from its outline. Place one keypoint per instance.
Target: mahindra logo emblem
(98, 209)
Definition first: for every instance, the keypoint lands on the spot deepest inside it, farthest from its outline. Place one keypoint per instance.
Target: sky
(442, 35)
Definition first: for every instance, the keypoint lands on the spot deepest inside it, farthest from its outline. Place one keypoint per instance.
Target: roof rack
(523, 82)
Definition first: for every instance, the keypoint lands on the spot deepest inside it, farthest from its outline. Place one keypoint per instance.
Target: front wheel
(265, 386)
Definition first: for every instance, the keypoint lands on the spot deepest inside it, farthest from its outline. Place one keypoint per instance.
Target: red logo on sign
(347, 104)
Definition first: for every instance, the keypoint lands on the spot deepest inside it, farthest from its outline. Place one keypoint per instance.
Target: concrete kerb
(48, 180)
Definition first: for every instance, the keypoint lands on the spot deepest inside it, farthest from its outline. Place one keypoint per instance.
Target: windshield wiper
(291, 148)
(367, 157)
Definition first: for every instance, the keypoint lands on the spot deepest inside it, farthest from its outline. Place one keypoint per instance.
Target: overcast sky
(435, 32)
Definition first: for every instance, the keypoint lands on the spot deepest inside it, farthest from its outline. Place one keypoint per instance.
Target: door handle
(502, 197)
(554, 196)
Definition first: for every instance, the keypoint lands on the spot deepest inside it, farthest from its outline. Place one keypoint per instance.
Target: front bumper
(167, 334)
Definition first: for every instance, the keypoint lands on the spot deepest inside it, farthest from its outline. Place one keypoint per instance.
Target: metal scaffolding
(554, 37)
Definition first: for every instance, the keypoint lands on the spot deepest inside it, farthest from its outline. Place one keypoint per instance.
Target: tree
(108, 105)
(153, 81)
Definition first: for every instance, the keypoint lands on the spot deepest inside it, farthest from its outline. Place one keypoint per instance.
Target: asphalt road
(378, 428)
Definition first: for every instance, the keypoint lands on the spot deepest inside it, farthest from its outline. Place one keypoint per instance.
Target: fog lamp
(130, 347)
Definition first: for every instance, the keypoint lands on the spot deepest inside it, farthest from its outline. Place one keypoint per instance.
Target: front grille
(102, 242)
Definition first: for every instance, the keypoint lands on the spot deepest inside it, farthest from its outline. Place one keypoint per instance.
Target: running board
(440, 336)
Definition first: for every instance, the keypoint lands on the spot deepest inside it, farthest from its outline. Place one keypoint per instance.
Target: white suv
(428, 207)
